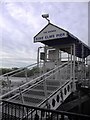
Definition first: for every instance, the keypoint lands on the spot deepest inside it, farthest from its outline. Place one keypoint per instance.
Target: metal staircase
(36, 95)
(46, 91)
(40, 95)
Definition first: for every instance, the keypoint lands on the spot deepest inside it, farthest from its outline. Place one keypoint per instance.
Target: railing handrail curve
(43, 75)
(18, 70)
(49, 110)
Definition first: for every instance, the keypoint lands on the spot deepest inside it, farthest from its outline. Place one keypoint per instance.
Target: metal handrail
(43, 78)
(8, 76)
(34, 80)
(55, 92)
(18, 70)
(38, 82)
(62, 113)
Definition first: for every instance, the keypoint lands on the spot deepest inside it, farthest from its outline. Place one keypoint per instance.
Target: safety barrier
(8, 77)
(16, 111)
(55, 99)
(35, 81)
(58, 97)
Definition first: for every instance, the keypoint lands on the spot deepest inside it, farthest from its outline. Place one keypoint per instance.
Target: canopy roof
(53, 35)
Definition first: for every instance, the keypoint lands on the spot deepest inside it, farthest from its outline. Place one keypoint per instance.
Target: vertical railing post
(21, 95)
(38, 61)
(79, 98)
(57, 63)
(3, 111)
(71, 63)
(60, 76)
(82, 63)
(66, 71)
(26, 75)
(45, 87)
(1, 89)
(74, 67)
(44, 70)
(9, 84)
(38, 56)
(22, 99)
(62, 117)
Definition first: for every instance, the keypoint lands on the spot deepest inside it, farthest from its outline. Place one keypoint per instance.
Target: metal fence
(16, 111)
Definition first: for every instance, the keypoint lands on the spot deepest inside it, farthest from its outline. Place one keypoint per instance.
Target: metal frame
(9, 111)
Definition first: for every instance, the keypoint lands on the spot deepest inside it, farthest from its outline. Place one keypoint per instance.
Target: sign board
(50, 32)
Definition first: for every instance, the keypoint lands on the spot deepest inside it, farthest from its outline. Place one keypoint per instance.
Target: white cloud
(44, 1)
(20, 21)
(25, 16)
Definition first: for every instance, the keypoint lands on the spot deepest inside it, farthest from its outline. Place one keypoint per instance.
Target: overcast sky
(21, 21)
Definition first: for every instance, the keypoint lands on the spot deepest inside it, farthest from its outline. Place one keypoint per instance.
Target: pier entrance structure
(61, 47)
(62, 61)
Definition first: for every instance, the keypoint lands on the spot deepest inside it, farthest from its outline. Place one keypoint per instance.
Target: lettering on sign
(49, 33)
(52, 36)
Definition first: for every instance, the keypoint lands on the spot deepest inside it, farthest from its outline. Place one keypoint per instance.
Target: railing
(16, 111)
(58, 97)
(25, 71)
(35, 81)
(61, 72)
(12, 73)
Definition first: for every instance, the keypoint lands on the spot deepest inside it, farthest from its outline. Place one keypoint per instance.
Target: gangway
(64, 59)
(37, 95)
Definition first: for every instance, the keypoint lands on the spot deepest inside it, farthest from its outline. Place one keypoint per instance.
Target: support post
(83, 64)
(44, 70)
(57, 63)
(8, 81)
(22, 99)
(71, 63)
(79, 97)
(26, 75)
(73, 67)
(38, 57)
(39, 61)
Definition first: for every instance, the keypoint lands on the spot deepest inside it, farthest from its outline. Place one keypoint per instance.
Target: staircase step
(49, 87)
(35, 96)
(39, 87)
(25, 102)
(36, 92)
(32, 100)
(29, 99)
(52, 88)
(53, 83)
